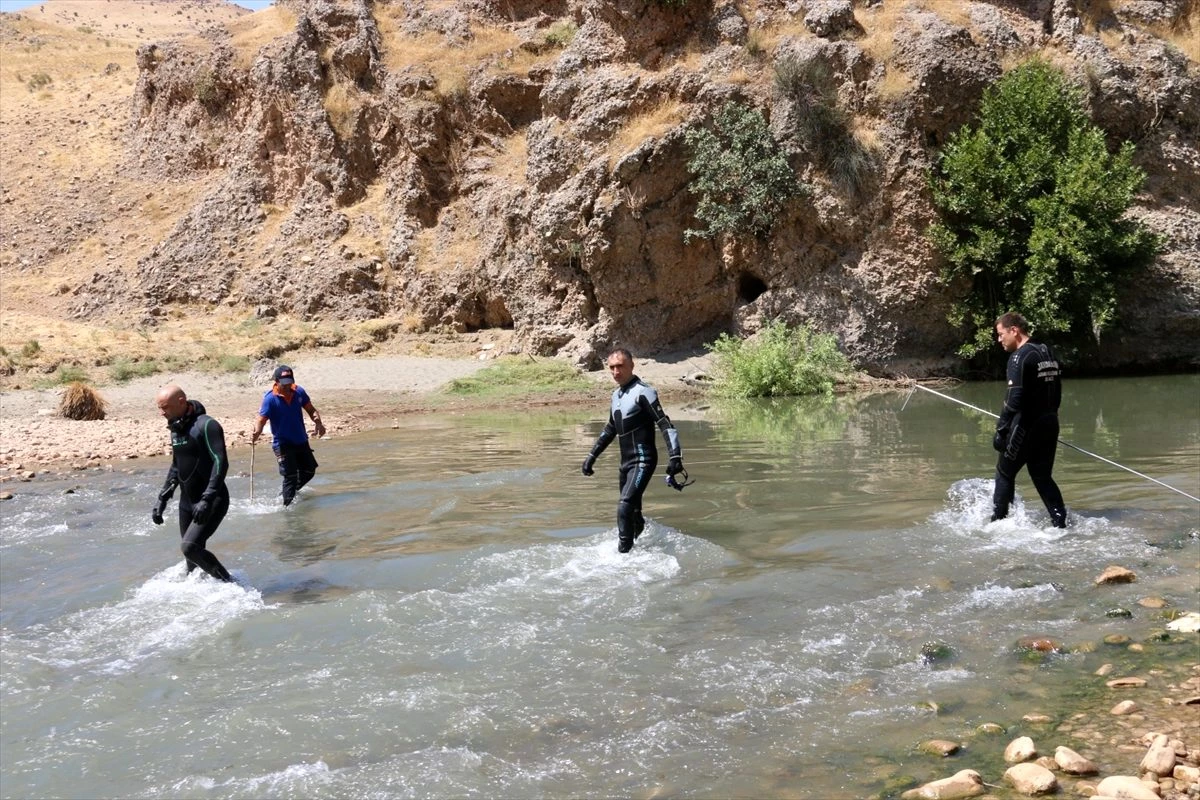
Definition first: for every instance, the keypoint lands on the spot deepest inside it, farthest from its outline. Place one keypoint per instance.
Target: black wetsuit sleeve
(670, 434)
(212, 438)
(607, 435)
(1013, 398)
(168, 488)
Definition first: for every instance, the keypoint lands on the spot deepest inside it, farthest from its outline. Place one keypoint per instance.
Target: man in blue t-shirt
(282, 405)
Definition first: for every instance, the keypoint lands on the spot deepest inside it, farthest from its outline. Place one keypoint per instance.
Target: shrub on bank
(80, 401)
(778, 361)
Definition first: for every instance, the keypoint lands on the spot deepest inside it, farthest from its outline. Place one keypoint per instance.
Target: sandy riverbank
(353, 394)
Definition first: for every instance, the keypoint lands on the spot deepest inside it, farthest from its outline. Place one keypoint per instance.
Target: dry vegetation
(652, 123)
(449, 62)
(80, 401)
(249, 34)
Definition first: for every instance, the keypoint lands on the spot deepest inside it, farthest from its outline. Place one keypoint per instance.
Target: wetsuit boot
(1058, 517)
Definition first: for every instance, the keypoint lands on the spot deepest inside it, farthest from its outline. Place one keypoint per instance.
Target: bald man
(198, 468)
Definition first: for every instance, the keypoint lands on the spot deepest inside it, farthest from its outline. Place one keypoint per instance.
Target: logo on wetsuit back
(1048, 370)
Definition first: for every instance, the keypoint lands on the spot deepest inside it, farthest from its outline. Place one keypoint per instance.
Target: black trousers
(196, 534)
(635, 476)
(297, 465)
(1034, 446)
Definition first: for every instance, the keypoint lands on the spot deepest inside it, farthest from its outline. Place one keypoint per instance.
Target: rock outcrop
(523, 165)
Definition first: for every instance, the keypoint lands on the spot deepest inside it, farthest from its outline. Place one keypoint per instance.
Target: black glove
(157, 512)
(1000, 440)
(200, 512)
(588, 463)
(674, 466)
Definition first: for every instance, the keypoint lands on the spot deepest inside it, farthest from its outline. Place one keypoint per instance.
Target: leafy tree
(1032, 208)
(779, 361)
(741, 175)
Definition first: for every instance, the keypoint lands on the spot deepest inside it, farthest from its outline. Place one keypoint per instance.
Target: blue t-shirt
(287, 419)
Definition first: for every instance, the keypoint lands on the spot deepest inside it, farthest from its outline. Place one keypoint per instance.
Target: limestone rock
(1123, 708)
(1031, 779)
(940, 747)
(1115, 574)
(965, 783)
(1071, 762)
(830, 17)
(1020, 749)
(1188, 623)
(1160, 758)
(1126, 787)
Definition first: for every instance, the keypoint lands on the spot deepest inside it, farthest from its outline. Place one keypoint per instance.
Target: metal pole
(1060, 441)
(252, 448)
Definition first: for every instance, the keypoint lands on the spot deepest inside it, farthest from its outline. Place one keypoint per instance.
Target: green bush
(31, 348)
(779, 361)
(560, 33)
(123, 369)
(69, 373)
(518, 376)
(740, 174)
(1032, 212)
(38, 80)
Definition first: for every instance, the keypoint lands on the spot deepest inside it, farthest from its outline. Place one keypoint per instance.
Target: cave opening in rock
(750, 287)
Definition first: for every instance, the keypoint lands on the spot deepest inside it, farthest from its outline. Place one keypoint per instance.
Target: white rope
(1060, 441)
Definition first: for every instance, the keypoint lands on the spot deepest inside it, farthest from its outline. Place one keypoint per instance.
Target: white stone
(1031, 779)
(1186, 775)
(965, 783)
(1071, 762)
(1020, 749)
(1188, 623)
(1160, 758)
(1126, 787)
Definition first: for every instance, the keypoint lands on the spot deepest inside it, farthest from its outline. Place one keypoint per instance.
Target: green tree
(741, 175)
(1032, 212)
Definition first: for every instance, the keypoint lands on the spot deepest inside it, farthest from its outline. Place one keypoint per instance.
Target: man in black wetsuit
(1027, 432)
(634, 412)
(198, 468)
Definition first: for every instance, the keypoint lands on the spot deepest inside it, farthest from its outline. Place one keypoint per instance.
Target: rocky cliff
(516, 164)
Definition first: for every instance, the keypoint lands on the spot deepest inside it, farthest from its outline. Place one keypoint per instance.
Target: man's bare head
(172, 402)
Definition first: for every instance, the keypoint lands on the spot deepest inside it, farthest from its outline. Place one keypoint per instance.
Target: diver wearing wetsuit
(634, 412)
(198, 467)
(1027, 431)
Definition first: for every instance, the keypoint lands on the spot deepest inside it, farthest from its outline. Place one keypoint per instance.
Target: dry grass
(450, 64)
(511, 159)
(1185, 34)
(80, 401)
(652, 123)
(343, 102)
(895, 82)
(63, 55)
(249, 34)
(440, 249)
(1051, 54)
(769, 37)
(368, 219)
(866, 134)
(880, 23)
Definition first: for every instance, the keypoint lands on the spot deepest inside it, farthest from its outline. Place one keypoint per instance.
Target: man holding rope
(1027, 431)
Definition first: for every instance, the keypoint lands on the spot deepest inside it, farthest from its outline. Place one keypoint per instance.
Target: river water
(444, 613)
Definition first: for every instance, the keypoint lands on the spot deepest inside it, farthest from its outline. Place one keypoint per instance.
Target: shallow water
(444, 614)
